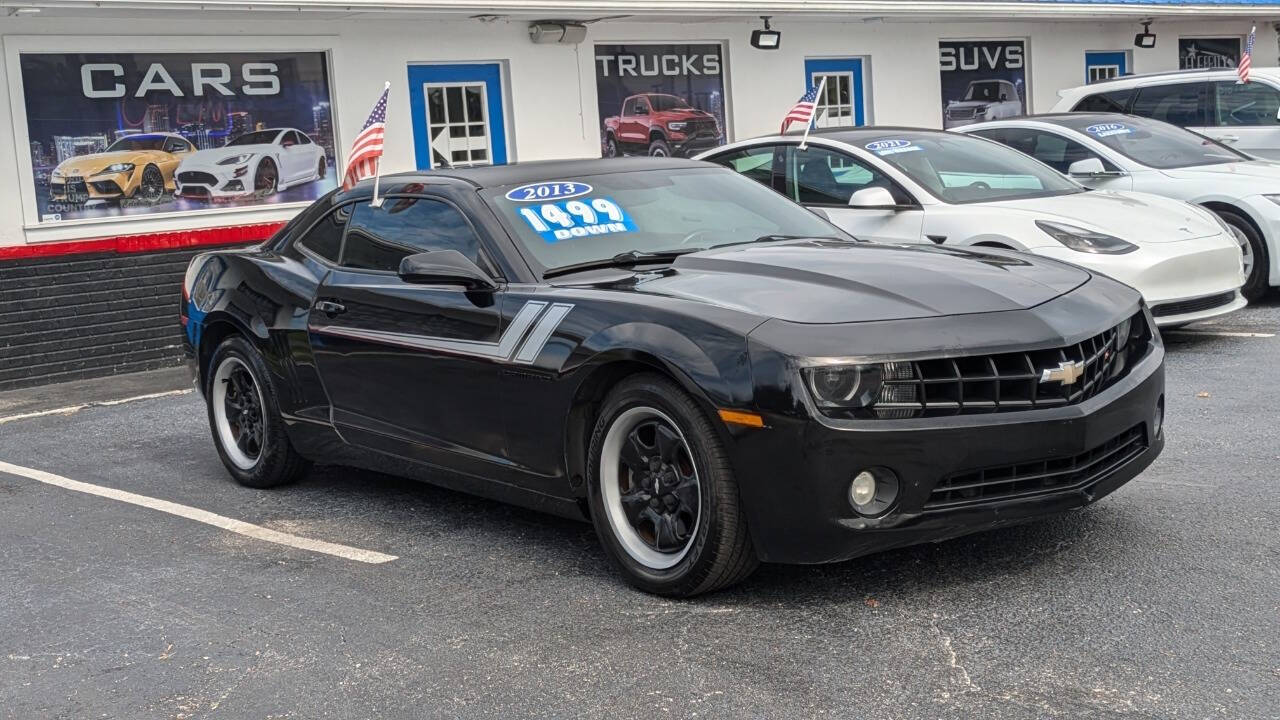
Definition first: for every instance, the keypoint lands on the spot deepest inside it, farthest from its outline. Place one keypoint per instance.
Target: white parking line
(77, 408)
(1220, 333)
(240, 527)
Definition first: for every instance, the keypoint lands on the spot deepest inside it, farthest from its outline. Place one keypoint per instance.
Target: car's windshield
(260, 137)
(986, 91)
(137, 142)
(962, 169)
(1153, 143)
(668, 102)
(572, 220)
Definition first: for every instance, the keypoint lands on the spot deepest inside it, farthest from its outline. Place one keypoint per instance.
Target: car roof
(866, 132)
(1170, 74)
(550, 170)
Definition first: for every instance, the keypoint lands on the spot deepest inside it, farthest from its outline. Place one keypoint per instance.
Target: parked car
(708, 372)
(1124, 152)
(134, 167)
(659, 125)
(1211, 102)
(983, 100)
(911, 185)
(261, 162)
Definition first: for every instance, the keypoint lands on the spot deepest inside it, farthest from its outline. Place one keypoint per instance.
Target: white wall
(552, 87)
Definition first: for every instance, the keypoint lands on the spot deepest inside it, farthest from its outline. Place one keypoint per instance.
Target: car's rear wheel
(151, 186)
(244, 416)
(663, 496)
(1253, 251)
(611, 147)
(266, 179)
(322, 169)
(659, 148)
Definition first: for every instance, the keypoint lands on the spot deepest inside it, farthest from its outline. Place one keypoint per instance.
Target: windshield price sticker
(541, 192)
(556, 221)
(1108, 129)
(891, 147)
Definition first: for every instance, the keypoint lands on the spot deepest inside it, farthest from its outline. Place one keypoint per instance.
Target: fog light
(863, 490)
(873, 491)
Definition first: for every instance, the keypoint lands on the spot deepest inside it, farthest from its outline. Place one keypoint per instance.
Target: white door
(824, 178)
(1246, 117)
(295, 157)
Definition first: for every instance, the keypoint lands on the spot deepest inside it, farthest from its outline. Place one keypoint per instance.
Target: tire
(611, 147)
(266, 179)
(659, 148)
(151, 186)
(706, 545)
(1255, 285)
(263, 457)
(320, 171)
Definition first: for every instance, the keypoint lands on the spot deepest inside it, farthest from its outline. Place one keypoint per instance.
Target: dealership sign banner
(660, 99)
(1208, 53)
(123, 134)
(982, 80)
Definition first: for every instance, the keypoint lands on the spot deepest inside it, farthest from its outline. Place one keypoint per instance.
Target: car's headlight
(1082, 240)
(843, 386)
(677, 125)
(235, 159)
(119, 168)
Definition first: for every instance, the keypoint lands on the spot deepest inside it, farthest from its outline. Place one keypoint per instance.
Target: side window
(1249, 104)
(1115, 101)
(325, 237)
(818, 176)
(380, 237)
(303, 139)
(176, 145)
(639, 106)
(755, 163)
(289, 138)
(1059, 152)
(1182, 104)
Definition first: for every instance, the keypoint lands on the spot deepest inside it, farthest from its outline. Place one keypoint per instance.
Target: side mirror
(1004, 97)
(444, 267)
(873, 198)
(1089, 167)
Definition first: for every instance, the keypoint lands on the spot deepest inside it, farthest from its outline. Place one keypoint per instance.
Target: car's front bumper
(690, 145)
(212, 181)
(794, 475)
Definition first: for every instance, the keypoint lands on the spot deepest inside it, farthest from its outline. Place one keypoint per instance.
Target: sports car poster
(982, 80)
(115, 134)
(658, 99)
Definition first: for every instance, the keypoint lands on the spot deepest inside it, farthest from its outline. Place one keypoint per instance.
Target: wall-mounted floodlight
(766, 39)
(1145, 39)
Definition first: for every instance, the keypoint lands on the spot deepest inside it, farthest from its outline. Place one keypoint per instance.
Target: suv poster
(662, 100)
(119, 134)
(982, 80)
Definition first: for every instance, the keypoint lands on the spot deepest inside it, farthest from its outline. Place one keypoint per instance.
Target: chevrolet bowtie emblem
(1066, 373)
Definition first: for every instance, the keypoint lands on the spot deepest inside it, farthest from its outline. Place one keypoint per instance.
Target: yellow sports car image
(134, 167)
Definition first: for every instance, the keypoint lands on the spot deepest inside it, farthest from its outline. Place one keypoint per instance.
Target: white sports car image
(907, 185)
(257, 163)
(1122, 152)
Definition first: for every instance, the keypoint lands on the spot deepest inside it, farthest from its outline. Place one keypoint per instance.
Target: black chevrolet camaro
(711, 374)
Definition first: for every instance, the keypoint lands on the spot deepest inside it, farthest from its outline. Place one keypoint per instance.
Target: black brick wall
(80, 316)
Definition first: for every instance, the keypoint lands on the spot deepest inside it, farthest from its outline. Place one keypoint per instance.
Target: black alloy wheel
(151, 186)
(662, 493)
(659, 148)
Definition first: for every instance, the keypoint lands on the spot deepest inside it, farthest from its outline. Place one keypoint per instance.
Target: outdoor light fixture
(1145, 39)
(766, 39)
(873, 491)
(554, 31)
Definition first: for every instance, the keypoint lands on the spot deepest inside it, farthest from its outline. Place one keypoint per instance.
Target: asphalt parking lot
(1162, 601)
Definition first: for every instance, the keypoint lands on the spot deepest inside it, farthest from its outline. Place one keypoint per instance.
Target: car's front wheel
(663, 496)
(266, 180)
(659, 148)
(245, 418)
(1253, 252)
(151, 186)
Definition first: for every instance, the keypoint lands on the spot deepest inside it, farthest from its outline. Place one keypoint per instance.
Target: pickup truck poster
(662, 100)
(120, 134)
(982, 80)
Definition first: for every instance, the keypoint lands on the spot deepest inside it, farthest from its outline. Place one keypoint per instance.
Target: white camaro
(911, 185)
(261, 163)
(1124, 152)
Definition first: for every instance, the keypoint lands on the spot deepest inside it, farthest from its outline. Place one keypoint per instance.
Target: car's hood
(970, 103)
(216, 154)
(828, 281)
(93, 164)
(686, 113)
(1249, 171)
(1132, 216)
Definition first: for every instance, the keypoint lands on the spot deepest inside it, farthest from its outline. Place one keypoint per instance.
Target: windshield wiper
(623, 259)
(776, 238)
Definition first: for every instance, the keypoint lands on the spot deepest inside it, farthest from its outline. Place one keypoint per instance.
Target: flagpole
(817, 99)
(376, 201)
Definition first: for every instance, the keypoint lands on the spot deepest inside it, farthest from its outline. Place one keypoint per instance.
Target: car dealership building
(141, 129)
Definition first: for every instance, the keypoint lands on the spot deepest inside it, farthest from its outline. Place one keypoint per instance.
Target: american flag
(1246, 60)
(362, 161)
(802, 111)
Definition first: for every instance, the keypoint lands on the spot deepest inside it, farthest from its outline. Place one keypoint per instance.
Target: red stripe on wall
(151, 242)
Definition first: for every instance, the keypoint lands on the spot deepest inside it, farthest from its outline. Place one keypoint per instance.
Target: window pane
(475, 130)
(457, 131)
(479, 155)
(1249, 104)
(1114, 101)
(475, 104)
(435, 105)
(817, 176)
(453, 95)
(1179, 104)
(459, 156)
(381, 237)
(755, 163)
(325, 238)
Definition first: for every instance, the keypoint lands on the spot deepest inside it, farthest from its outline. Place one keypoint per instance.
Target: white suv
(1246, 117)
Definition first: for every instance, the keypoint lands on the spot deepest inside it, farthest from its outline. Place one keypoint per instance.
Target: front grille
(698, 126)
(989, 485)
(107, 187)
(966, 113)
(1008, 382)
(1184, 307)
(191, 177)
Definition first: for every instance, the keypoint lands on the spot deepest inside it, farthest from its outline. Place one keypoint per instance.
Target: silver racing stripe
(538, 338)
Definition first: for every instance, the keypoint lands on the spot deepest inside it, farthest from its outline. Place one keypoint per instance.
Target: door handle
(328, 307)
(1228, 139)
